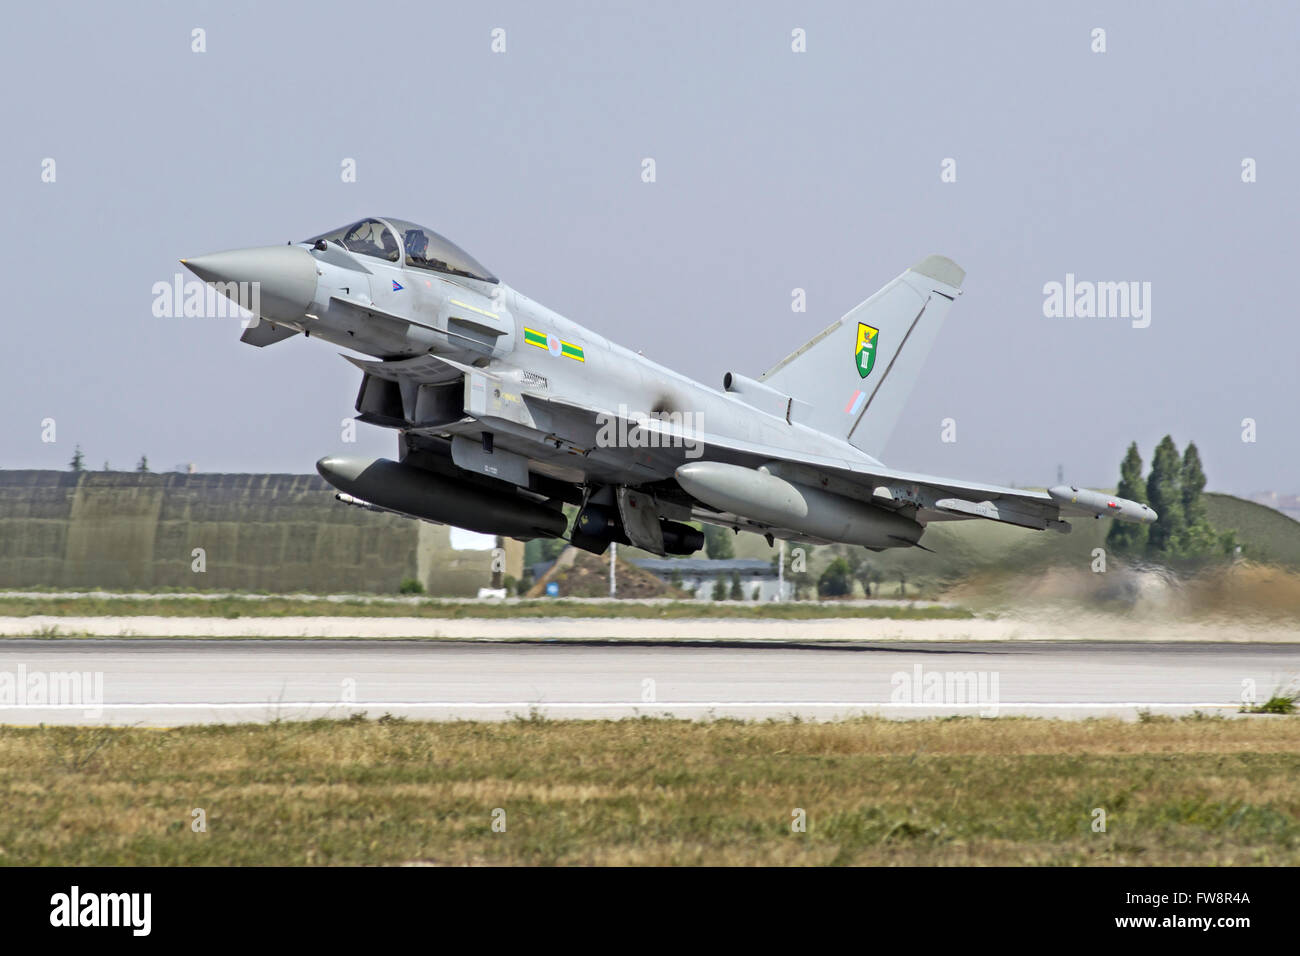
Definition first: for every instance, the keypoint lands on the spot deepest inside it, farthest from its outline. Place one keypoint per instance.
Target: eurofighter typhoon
(506, 411)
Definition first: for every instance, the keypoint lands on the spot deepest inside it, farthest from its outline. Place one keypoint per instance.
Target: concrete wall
(258, 532)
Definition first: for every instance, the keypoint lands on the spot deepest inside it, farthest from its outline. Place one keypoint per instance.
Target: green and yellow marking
(543, 341)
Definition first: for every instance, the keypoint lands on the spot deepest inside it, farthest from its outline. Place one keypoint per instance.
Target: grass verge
(1283, 701)
(236, 607)
(389, 791)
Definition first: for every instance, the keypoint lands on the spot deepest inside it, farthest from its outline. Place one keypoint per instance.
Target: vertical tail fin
(853, 379)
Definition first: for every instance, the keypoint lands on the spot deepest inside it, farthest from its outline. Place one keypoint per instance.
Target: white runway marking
(171, 682)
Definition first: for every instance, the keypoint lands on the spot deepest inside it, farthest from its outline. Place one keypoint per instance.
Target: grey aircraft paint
(507, 410)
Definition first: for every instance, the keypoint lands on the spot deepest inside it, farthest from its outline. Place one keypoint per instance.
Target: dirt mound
(583, 574)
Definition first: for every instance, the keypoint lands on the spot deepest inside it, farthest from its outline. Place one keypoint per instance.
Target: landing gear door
(640, 519)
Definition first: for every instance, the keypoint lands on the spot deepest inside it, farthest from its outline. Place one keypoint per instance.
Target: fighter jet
(506, 411)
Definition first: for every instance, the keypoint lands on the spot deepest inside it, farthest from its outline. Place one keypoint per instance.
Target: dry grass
(1007, 791)
(237, 607)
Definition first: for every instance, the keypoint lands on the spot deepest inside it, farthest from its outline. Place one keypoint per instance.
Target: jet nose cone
(276, 282)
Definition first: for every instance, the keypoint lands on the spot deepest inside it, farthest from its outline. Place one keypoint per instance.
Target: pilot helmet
(417, 243)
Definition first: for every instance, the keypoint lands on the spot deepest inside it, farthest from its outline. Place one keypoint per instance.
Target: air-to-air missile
(765, 498)
(393, 486)
(1102, 505)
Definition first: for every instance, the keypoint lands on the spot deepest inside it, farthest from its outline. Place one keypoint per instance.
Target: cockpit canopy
(395, 240)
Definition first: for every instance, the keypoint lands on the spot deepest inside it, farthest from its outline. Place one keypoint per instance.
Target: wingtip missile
(1101, 504)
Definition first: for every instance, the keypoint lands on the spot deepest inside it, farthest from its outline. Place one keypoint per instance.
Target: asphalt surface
(169, 682)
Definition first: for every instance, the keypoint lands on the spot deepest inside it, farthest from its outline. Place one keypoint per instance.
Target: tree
(142, 466)
(1198, 538)
(78, 462)
(1192, 480)
(550, 548)
(717, 543)
(758, 593)
(863, 576)
(1127, 537)
(719, 590)
(835, 580)
(859, 569)
(737, 594)
(1164, 494)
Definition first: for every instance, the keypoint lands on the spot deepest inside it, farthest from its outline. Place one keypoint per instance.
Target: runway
(1055, 626)
(171, 682)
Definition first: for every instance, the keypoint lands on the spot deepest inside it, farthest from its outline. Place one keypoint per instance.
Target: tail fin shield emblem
(866, 351)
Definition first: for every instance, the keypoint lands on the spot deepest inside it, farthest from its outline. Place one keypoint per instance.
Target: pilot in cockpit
(417, 245)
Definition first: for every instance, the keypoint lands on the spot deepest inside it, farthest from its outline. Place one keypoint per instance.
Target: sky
(775, 170)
